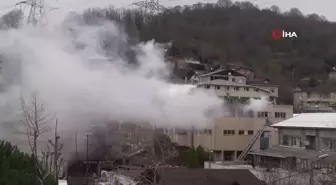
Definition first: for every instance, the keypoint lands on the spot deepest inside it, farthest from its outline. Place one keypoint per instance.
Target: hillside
(233, 33)
(243, 33)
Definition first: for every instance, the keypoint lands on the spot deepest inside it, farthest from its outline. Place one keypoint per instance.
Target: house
(184, 176)
(302, 139)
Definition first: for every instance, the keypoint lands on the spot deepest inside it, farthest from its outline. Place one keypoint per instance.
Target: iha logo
(278, 34)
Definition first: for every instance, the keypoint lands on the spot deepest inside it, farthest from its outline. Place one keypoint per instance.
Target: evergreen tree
(17, 168)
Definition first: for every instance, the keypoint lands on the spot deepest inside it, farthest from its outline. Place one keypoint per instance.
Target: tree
(36, 121)
(224, 3)
(12, 19)
(17, 168)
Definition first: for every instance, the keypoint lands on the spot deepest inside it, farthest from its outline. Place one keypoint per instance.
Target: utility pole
(192, 138)
(76, 144)
(87, 160)
(56, 150)
(311, 173)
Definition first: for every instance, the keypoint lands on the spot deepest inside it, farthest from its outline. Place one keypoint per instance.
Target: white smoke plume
(67, 67)
(81, 90)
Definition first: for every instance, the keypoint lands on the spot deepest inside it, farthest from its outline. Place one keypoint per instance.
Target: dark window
(233, 80)
(207, 86)
(217, 87)
(236, 88)
(241, 132)
(229, 132)
(226, 78)
(246, 89)
(250, 132)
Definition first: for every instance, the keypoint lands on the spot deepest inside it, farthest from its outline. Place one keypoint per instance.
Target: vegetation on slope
(229, 32)
(17, 168)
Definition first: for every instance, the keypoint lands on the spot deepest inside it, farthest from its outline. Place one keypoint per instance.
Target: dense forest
(228, 32)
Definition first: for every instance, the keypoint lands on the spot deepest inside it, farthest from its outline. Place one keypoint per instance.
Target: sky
(321, 7)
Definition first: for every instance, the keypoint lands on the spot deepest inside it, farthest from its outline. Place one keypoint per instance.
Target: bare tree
(36, 121)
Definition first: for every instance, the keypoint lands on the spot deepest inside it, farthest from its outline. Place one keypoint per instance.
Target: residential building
(184, 176)
(302, 139)
(235, 86)
(316, 95)
(314, 101)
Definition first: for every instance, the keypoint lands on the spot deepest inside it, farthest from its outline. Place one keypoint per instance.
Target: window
(262, 114)
(128, 136)
(208, 131)
(280, 115)
(256, 90)
(217, 87)
(236, 88)
(272, 90)
(226, 78)
(211, 77)
(229, 132)
(250, 132)
(285, 139)
(246, 88)
(227, 87)
(233, 80)
(241, 132)
(207, 86)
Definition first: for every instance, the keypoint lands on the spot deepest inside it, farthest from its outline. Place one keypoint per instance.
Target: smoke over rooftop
(80, 72)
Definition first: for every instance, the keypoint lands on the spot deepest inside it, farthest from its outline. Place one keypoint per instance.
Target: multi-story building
(235, 86)
(314, 101)
(320, 98)
(228, 136)
(302, 139)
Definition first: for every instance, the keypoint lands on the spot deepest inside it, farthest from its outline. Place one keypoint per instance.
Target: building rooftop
(284, 152)
(223, 72)
(185, 176)
(310, 120)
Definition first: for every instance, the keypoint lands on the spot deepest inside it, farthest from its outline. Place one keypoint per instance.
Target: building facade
(314, 101)
(302, 139)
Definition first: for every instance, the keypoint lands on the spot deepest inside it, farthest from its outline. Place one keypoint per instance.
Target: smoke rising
(79, 72)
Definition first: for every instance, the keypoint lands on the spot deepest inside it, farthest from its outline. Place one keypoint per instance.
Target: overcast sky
(322, 7)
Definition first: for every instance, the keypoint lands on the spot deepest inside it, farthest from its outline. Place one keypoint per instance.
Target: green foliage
(196, 157)
(17, 168)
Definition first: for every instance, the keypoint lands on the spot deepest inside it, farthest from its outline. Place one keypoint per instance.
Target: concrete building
(227, 137)
(314, 101)
(301, 140)
(235, 86)
(316, 95)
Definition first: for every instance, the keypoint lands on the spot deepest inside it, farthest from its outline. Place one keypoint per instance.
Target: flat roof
(310, 120)
(284, 152)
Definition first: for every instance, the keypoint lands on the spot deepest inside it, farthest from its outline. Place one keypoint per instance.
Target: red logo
(276, 34)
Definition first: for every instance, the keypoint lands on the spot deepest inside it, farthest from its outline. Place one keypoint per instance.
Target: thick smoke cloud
(66, 65)
(81, 74)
